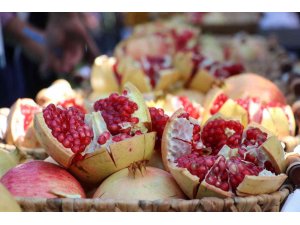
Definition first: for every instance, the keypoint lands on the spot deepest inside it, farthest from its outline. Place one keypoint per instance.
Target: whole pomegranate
(140, 183)
(221, 158)
(20, 131)
(39, 179)
(95, 145)
(276, 117)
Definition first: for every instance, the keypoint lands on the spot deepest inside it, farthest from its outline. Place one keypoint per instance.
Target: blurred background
(38, 48)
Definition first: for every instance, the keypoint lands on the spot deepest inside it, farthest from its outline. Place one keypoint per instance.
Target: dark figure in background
(35, 52)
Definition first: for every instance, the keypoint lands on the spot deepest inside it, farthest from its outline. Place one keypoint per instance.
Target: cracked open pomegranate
(222, 158)
(140, 183)
(95, 145)
(150, 73)
(200, 73)
(275, 116)
(60, 93)
(20, 131)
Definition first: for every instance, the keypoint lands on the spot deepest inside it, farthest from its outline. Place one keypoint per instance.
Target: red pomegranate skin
(38, 179)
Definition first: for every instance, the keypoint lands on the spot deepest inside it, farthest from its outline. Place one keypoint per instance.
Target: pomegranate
(142, 183)
(9, 158)
(4, 112)
(104, 77)
(150, 73)
(200, 73)
(20, 131)
(7, 202)
(95, 145)
(222, 158)
(276, 117)
(60, 93)
(39, 179)
(253, 85)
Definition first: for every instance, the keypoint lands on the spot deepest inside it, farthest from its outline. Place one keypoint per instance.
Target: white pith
(180, 139)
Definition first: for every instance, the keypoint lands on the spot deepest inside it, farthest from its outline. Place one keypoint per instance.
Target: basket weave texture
(260, 203)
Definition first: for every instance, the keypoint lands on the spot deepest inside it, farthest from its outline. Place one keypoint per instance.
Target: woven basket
(260, 203)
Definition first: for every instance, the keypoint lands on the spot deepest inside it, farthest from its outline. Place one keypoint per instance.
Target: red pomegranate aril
(189, 108)
(218, 103)
(28, 112)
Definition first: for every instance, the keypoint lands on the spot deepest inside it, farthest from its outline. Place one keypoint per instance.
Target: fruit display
(174, 121)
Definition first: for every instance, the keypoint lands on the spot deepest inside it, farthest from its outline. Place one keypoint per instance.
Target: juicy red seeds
(28, 112)
(189, 108)
(103, 138)
(238, 169)
(255, 137)
(120, 137)
(72, 103)
(68, 127)
(196, 164)
(219, 132)
(218, 103)
(115, 110)
(159, 120)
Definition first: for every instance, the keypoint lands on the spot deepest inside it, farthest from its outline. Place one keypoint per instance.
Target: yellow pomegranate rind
(202, 81)
(255, 185)
(7, 202)
(184, 64)
(103, 79)
(104, 162)
(15, 122)
(145, 184)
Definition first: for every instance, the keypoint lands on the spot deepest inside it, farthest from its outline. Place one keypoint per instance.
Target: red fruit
(68, 127)
(39, 179)
(219, 132)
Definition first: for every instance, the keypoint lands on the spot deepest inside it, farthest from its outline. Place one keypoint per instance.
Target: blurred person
(51, 45)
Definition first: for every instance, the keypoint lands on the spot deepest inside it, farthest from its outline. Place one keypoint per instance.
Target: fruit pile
(163, 122)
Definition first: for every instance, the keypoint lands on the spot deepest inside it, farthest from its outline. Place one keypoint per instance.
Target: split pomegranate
(39, 179)
(222, 157)
(200, 73)
(93, 146)
(278, 118)
(142, 183)
(20, 130)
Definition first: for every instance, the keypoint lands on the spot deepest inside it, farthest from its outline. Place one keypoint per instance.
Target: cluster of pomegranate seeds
(182, 38)
(151, 66)
(238, 169)
(218, 103)
(68, 127)
(255, 137)
(220, 132)
(218, 175)
(28, 112)
(72, 103)
(159, 120)
(116, 110)
(188, 107)
(196, 164)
